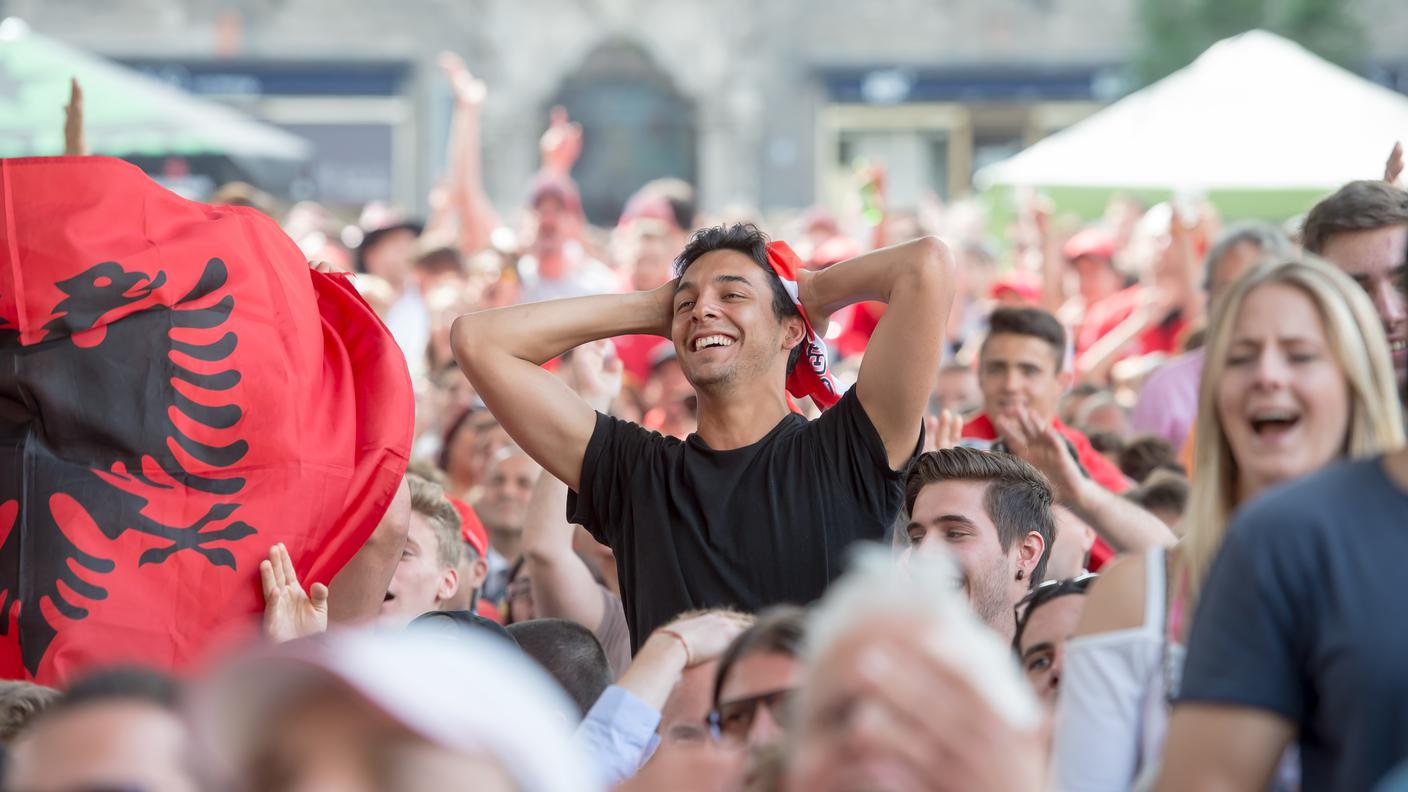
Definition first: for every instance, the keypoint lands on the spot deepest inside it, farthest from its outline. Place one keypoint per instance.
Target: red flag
(178, 392)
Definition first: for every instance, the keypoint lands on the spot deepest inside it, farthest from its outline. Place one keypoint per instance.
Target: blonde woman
(1297, 374)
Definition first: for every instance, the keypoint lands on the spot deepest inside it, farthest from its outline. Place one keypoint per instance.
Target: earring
(1020, 574)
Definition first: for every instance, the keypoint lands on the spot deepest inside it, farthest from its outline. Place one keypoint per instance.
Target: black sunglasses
(734, 719)
(1043, 593)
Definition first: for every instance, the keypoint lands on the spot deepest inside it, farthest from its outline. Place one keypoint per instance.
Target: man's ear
(479, 572)
(1066, 378)
(449, 584)
(1030, 552)
(794, 331)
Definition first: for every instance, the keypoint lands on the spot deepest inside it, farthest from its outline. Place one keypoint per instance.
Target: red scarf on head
(812, 374)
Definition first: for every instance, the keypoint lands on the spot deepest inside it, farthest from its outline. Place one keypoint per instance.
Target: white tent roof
(1254, 111)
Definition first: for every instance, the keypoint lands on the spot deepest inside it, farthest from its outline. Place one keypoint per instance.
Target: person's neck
(1006, 626)
(506, 541)
(1248, 488)
(739, 418)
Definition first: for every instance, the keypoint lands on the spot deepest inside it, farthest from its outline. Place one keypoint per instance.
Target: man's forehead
(1370, 252)
(731, 264)
(1014, 348)
(956, 498)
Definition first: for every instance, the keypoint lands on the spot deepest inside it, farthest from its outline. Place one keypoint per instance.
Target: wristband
(688, 658)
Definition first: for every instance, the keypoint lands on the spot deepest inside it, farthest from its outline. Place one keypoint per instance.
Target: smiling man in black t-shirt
(758, 506)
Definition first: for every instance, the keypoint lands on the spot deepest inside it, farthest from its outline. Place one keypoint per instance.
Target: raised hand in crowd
(289, 611)
(74, 143)
(1128, 528)
(561, 144)
(687, 642)
(942, 431)
(465, 192)
(1394, 167)
(594, 372)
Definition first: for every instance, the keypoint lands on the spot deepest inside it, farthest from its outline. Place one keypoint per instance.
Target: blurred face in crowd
(117, 744)
(669, 400)
(1042, 650)
(957, 390)
(507, 488)
(1020, 371)
(651, 258)
(1376, 260)
(1282, 400)
(849, 735)
(1097, 278)
(724, 328)
(421, 583)
(685, 716)
(392, 256)
(754, 697)
(556, 225)
(953, 515)
(1238, 259)
(1105, 417)
(331, 739)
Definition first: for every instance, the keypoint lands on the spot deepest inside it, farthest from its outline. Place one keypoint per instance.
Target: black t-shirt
(1304, 615)
(749, 527)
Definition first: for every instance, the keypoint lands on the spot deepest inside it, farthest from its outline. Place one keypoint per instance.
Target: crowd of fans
(1131, 496)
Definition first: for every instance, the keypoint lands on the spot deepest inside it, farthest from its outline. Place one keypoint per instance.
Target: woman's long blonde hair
(1356, 339)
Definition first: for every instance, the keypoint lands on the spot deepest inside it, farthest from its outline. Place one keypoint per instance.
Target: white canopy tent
(1253, 112)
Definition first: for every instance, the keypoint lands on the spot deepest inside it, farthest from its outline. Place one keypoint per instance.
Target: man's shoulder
(1318, 502)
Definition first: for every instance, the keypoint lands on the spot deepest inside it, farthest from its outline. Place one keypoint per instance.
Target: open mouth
(710, 341)
(1271, 423)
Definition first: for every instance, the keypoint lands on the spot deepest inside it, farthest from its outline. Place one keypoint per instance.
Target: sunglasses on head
(1043, 593)
(734, 719)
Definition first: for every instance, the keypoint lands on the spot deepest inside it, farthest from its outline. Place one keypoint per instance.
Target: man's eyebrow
(944, 518)
(732, 279)
(1044, 646)
(681, 285)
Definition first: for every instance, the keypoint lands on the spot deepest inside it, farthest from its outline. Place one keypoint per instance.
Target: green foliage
(1174, 32)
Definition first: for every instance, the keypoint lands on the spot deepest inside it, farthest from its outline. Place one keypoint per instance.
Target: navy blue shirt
(694, 527)
(1305, 614)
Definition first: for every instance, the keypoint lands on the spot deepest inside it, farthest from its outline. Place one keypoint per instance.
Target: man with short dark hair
(116, 729)
(571, 655)
(1363, 230)
(759, 505)
(993, 513)
(1022, 373)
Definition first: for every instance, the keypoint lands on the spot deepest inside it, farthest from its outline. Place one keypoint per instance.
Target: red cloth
(1107, 314)
(857, 326)
(192, 393)
(1102, 470)
(812, 374)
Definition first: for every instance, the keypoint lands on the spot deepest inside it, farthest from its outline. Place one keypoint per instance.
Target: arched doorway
(635, 127)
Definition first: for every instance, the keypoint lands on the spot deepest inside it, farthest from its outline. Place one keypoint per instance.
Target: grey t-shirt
(1305, 614)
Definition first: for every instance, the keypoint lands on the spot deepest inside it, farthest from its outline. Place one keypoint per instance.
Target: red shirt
(1105, 473)
(1105, 315)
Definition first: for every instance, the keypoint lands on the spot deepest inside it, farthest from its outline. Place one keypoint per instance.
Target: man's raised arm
(916, 280)
(502, 350)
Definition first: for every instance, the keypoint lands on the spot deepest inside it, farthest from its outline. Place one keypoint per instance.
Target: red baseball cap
(1093, 241)
(471, 528)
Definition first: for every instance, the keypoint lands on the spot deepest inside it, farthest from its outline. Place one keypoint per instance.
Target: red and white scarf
(812, 374)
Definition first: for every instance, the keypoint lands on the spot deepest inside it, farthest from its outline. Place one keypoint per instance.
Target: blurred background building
(761, 103)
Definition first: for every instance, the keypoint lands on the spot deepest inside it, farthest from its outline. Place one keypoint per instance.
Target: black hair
(1031, 322)
(570, 653)
(744, 238)
(123, 683)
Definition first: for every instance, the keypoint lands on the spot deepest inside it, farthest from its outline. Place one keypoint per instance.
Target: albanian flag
(178, 392)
